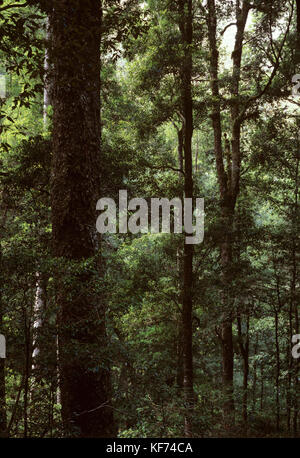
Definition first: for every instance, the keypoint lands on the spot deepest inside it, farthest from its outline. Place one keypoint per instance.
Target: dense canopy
(137, 332)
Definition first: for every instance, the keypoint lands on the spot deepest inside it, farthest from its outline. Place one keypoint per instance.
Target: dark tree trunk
(262, 387)
(75, 187)
(179, 346)
(277, 380)
(227, 318)
(277, 348)
(2, 367)
(254, 376)
(186, 28)
(227, 221)
(180, 151)
(290, 370)
(27, 368)
(294, 304)
(298, 32)
(244, 347)
(228, 185)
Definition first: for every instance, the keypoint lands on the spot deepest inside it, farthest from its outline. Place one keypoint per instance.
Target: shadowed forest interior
(136, 333)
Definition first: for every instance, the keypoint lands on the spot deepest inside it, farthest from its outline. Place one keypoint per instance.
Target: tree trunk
(84, 365)
(3, 414)
(46, 102)
(290, 370)
(262, 387)
(228, 185)
(298, 32)
(227, 318)
(227, 221)
(2, 366)
(179, 352)
(294, 302)
(277, 382)
(27, 368)
(254, 376)
(197, 153)
(39, 302)
(186, 28)
(244, 347)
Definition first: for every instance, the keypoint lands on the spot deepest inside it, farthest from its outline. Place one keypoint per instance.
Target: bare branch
(227, 27)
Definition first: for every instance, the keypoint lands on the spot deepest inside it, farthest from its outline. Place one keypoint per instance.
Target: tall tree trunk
(197, 153)
(244, 347)
(294, 303)
(46, 102)
(227, 318)
(262, 387)
(277, 379)
(3, 415)
(290, 370)
(2, 365)
(84, 365)
(179, 374)
(226, 215)
(277, 347)
(254, 376)
(39, 302)
(27, 367)
(298, 32)
(186, 28)
(228, 185)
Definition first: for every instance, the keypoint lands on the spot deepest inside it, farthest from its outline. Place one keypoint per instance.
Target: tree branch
(273, 74)
(227, 27)
(13, 5)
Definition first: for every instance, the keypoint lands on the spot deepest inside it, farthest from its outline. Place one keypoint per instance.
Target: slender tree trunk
(227, 221)
(46, 102)
(3, 420)
(186, 28)
(244, 347)
(228, 185)
(227, 318)
(277, 310)
(290, 370)
(197, 153)
(262, 388)
(27, 368)
(298, 32)
(294, 302)
(277, 380)
(254, 376)
(3, 415)
(39, 303)
(180, 152)
(179, 374)
(83, 360)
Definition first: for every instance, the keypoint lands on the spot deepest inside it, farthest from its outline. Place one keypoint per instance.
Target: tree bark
(262, 387)
(186, 28)
(227, 221)
(228, 186)
(277, 348)
(254, 376)
(277, 380)
(84, 365)
(3, 413)
(298, 32)
(244, 347)
(293, 289)
(179, 346)
(3, 424)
